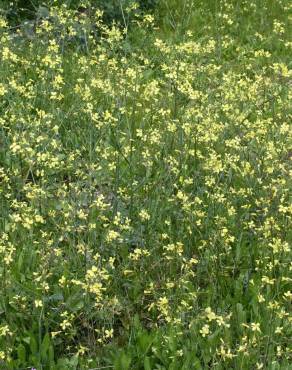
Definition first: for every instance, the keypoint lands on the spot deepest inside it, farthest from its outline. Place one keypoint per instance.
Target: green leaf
(45, 346)
(144, 341)
(21, 353)
(33, 345)
(54, 297)
(51, 355)
(147, 363)
(75, 302)
(123, 361)
(43, 12)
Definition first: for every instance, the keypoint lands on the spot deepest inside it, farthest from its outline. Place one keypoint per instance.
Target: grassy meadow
(145, 187)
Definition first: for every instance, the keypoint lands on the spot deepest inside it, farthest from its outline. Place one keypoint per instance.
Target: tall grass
(146, 189)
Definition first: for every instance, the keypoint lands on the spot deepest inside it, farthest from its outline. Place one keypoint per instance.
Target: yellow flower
(4, 330)
(210, 314)
(3, 90)
(278, 330)
(205, 330)
(255, 327)
(144, 215)
(38, 303)
(55, 333)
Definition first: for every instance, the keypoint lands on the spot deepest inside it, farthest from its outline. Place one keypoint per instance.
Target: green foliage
(145, 184)
(114, 10)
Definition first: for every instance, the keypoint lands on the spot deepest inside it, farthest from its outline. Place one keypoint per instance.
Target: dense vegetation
(19, 11)
(145, 187)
